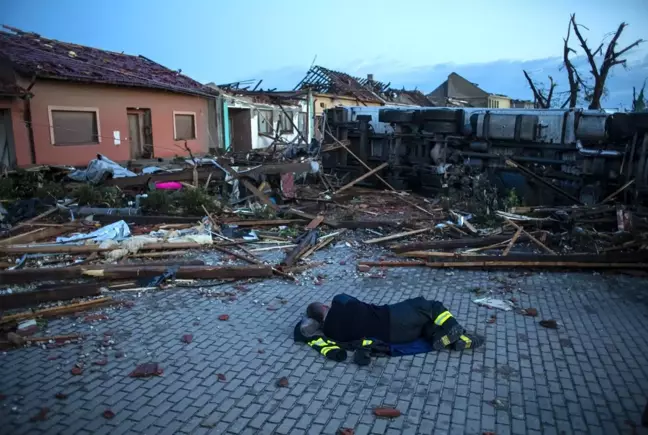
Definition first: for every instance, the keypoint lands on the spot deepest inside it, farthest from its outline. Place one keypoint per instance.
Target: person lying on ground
(350, 324)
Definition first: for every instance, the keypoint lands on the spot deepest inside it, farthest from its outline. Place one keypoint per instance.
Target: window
(265, 121)
(74, 125)
(301, 122)
(286, 125)
(184, 126)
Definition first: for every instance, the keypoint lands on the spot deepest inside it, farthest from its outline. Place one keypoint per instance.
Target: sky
(409, 43)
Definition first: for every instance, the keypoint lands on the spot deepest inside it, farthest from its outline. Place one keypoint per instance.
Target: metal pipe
(601, 153)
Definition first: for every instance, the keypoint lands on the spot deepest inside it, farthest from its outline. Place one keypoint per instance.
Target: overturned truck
(547, 156)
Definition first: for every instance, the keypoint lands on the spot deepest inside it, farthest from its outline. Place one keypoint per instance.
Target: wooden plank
(87, 249)
(39, 234)
(132, 271)
(541, 180)
(39, 217)
(252, 188)
(396, 236)
(57, 311)
(474, 242)
(315, 222)
(321, 244)
(48, 294)
(533, 239)
(616, 192)
(538, 264)
(270, 222)
(362, 177)
(343, 145)
(512, 242)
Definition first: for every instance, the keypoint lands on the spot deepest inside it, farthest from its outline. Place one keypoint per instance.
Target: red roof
(30, 54)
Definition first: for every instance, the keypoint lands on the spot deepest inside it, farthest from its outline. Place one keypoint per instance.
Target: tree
(639, 102)
(592, 90)
(611, 58)
(541, 96)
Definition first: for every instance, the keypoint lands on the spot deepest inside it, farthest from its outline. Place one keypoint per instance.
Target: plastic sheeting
(116, 231)
(98, 170)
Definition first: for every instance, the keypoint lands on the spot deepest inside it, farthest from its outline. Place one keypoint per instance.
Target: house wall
(261, 141)
(327, 101)
(112, 103)
(501, 102)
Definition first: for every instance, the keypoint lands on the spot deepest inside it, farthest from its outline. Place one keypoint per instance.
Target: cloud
(500, 76)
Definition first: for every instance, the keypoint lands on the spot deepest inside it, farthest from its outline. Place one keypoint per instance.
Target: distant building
(522, 104)
(457, 91)
(63, 103)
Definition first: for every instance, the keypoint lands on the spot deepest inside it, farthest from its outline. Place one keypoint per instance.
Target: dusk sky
(411, 43)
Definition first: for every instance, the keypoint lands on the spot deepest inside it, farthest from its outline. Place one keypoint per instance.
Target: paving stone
(573, 380)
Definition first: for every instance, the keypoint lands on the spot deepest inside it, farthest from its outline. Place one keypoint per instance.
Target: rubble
(231, 220)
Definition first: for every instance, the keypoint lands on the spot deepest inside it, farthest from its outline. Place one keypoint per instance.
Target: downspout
(30, 129)
(226, 125)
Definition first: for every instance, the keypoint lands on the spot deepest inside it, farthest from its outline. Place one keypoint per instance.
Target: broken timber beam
(87, 249)
(474, 242)
(512, 242)
(48, 294)
(341, 144)
(541, 180)
(307, 240)
(249, 186)
(533, 239)
(396, 236)
(131, 272)
(538, 264)
(362, 177)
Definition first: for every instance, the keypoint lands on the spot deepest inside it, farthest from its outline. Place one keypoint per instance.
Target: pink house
(63, 103)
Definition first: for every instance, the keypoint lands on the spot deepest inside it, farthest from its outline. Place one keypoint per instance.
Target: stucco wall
(504, 102)
(112, 103)
(325, 101)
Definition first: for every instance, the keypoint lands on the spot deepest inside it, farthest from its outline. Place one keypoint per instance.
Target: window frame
(195, 125)
(286, 128)
(94, 110)
(261, 117)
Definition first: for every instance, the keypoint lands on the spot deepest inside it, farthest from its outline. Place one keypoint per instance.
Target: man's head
(316, 311)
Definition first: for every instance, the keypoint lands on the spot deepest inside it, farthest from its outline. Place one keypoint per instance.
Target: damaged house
(64, 103)
(460, 92)
(258, 119)
(330, 89)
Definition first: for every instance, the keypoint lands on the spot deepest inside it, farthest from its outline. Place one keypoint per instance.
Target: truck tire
(393, 115)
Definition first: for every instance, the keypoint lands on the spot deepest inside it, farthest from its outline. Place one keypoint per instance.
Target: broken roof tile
(32, 55)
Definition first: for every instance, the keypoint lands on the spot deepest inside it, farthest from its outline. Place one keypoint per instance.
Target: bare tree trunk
(572, 74)
(542, 101)
(610, 59)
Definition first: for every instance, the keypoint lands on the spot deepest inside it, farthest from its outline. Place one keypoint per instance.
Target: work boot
(467, 341)
(451, 336)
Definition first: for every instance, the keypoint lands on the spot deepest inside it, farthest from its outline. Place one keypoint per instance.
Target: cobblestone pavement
(589, 376)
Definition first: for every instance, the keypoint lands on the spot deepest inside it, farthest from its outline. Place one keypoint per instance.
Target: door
(135, 135)
(7, 150)
(140, 132)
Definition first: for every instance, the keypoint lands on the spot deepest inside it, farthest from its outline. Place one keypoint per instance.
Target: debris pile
(126, 231)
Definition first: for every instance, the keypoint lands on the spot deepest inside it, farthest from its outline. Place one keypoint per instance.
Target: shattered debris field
(133, 304)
